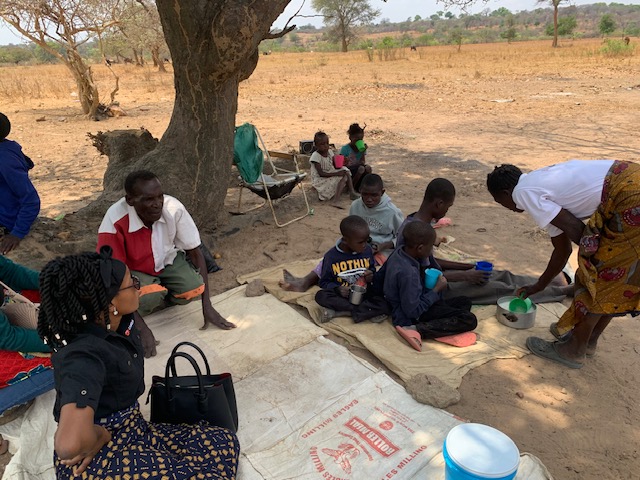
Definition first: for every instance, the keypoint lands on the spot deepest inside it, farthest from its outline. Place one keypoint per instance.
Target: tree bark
(157, 61)
(555, 26)
(214, 46)
(87, 90)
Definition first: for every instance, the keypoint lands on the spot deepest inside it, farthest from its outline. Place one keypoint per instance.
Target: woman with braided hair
(87, 317)
(560, 197)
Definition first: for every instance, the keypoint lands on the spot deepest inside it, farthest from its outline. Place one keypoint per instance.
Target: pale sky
(400, 10)
(394, 10)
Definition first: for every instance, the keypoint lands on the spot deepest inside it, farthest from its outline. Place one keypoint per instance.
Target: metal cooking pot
(514, 319)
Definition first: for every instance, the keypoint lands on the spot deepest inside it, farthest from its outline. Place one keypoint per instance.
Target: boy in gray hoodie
(384, 220)
(383, 217)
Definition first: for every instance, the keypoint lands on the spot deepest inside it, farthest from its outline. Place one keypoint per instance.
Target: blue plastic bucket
(478, 452)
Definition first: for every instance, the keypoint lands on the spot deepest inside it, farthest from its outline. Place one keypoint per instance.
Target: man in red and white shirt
(153, 234)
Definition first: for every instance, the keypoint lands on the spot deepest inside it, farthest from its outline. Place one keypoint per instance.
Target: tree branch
(282, 33)
(286, 29)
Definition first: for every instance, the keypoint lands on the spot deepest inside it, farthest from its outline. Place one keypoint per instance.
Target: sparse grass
(391, 54)
(39, 82)
(617, 48)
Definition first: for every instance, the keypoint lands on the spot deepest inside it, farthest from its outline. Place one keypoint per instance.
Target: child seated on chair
(357, 158)
(328, 180)
(418, 312)
(351, 253)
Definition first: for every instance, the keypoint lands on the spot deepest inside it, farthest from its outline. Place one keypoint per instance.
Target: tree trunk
(555, 26)
(343, 35)
(87, 90)
(214, 45)
(138, 58)
(157, 61)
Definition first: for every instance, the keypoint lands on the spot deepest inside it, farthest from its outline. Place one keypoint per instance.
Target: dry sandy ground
(436, 112)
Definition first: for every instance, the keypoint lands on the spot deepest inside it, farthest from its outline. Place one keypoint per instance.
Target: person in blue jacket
(14, 338)
(19, 200)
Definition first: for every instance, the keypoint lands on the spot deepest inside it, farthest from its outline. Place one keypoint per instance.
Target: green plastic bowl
(520, 305)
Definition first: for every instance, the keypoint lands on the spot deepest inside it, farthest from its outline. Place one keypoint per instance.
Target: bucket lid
(482, 450)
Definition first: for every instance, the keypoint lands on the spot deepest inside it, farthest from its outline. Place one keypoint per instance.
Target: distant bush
(426, 40)
(616, 48)
(566, 26)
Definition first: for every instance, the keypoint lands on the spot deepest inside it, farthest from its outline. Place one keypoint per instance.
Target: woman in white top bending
(606, 193)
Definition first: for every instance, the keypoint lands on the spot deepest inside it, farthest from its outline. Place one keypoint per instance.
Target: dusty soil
(435, 112)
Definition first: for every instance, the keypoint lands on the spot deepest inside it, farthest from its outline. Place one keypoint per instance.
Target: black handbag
(191, 398)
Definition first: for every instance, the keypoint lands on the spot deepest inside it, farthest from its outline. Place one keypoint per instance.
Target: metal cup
(356, 294)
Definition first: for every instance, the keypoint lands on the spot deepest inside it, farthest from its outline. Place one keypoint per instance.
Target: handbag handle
(175, 349)
(171, 365)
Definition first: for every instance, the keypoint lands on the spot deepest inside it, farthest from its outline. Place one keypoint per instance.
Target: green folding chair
(249, 155)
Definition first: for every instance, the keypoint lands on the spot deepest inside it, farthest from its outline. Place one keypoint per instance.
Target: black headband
(112, 272)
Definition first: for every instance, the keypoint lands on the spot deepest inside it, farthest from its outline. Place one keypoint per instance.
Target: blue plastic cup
(431, 276)
(486, 267)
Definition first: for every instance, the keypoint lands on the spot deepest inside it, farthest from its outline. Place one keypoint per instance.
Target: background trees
(607, 25)
(61, 27)
(566, 26)
(510, 33)
(343, 16)
(555, 4)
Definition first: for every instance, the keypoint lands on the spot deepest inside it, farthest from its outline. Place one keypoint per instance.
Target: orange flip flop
(412, 337)
(465, 339)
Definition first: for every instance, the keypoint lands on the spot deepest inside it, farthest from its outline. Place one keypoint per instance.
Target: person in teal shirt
(14, 338)
(356, 158)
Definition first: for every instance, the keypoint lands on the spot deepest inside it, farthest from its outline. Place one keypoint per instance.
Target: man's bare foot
(4, 446)
(333, 204)
(217, 320)
(354, 195)
(291, 283)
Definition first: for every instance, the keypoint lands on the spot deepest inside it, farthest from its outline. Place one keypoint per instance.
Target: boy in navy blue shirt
(351, 256)
(419, 312)
(19, 201)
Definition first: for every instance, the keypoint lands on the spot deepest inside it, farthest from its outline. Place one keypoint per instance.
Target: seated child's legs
(334, 301)
(183, 282)
(447, 317)
(151, 293)
(372, 306)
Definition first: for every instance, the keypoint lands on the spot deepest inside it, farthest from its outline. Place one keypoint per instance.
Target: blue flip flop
(544, 349)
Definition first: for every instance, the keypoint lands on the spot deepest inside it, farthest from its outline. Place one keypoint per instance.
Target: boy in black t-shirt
(351, 257)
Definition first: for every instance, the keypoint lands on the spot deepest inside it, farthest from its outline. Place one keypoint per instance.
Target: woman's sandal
(548, 350)
(412, 337)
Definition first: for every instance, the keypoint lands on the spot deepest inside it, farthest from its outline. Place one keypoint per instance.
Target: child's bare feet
(291, 283)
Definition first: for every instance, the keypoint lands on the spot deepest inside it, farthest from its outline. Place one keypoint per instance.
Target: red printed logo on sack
(386, 425)
(373, 437)
(343, 456)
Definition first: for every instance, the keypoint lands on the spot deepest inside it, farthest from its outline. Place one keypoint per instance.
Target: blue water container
(478, 452)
